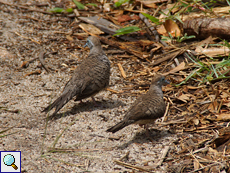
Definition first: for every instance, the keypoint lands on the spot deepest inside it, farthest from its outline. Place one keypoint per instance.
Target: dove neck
(156, 90)
(96, 50)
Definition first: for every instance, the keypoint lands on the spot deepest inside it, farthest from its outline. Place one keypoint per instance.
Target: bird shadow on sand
(141, 137)
(88, 106)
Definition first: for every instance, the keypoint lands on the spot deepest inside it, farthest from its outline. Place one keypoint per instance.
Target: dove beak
(166, 82)
(85, 45)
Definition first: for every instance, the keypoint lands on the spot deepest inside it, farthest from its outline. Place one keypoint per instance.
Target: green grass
(207, 72)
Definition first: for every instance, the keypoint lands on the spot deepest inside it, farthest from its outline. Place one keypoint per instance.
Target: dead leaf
(213, 51)
(91, 29)
(69, 38)
(150, 4)
(107, 7)
(172, 28)
(195, 121)
(162, 31)
(196, 164)
(224, 95)
(184, 97)
(181, 66)
(213, 107)
(25, 64)
(33, 72)
(227, 104)
(223, 117)
(123, 18)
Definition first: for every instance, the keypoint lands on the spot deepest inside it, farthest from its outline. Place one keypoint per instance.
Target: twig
(53, 150)
(41, 58)
(180, 121)
(199, 150)
(196, 159)
(86, 164)
(166, 112)
(205, 167)
(131, 166)
(122, 46)
(125, 156)
(151, 28)
(164, 153)
(114, 91)
(27, 38)
(122, 70)
(168, 56)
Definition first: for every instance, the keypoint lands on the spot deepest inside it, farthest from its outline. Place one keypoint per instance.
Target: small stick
(131, 166)
(125, 156)
(166, 112)
(27, 38)
(122, 70)
(114, 91)
(164, 153)
(205, 167)
(41, 58)
(196, 159)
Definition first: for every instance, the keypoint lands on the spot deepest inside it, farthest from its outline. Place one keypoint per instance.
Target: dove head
(93, 42)
(159, 80)
(156, 84)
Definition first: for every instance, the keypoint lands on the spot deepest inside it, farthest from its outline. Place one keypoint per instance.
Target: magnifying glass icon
(9, 160)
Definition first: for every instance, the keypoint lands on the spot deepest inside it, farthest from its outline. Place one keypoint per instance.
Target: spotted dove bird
(90, 77)
(147, 108)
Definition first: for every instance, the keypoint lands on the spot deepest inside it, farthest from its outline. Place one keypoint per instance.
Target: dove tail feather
(59, 103)
(117, 127)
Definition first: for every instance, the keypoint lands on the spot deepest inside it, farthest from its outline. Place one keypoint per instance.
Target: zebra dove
(147, 108)
(90, 77)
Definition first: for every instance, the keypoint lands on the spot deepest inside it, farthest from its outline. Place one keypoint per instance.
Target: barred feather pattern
(89, 78)
(147, 108)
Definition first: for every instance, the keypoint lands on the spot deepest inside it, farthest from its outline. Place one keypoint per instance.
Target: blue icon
(9, 160)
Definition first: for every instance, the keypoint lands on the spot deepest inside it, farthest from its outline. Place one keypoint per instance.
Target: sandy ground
(23, 96)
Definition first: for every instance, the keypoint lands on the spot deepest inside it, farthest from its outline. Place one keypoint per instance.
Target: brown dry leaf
(69, 38)
(184, 97)
(118, 12)
(181, 66)
(196, 164)
(217, 10)
(213, 107)
(162, 31)
(195, 121)
(221, 10)
(174, 7)
(213, 51)
(224, 95)
(107, 7)
(211, 150)
(193, 87)
(156, 69)
(24, 64)
(150, 4)
(91, 29)
(33, 72)
(206, 41)
(204, 121)
(172, 28)
(123, 18)
(223, 117)
(227, 104)
(6, 54)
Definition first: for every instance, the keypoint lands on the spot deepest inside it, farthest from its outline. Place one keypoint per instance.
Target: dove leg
(146, 127)
(94, 102)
